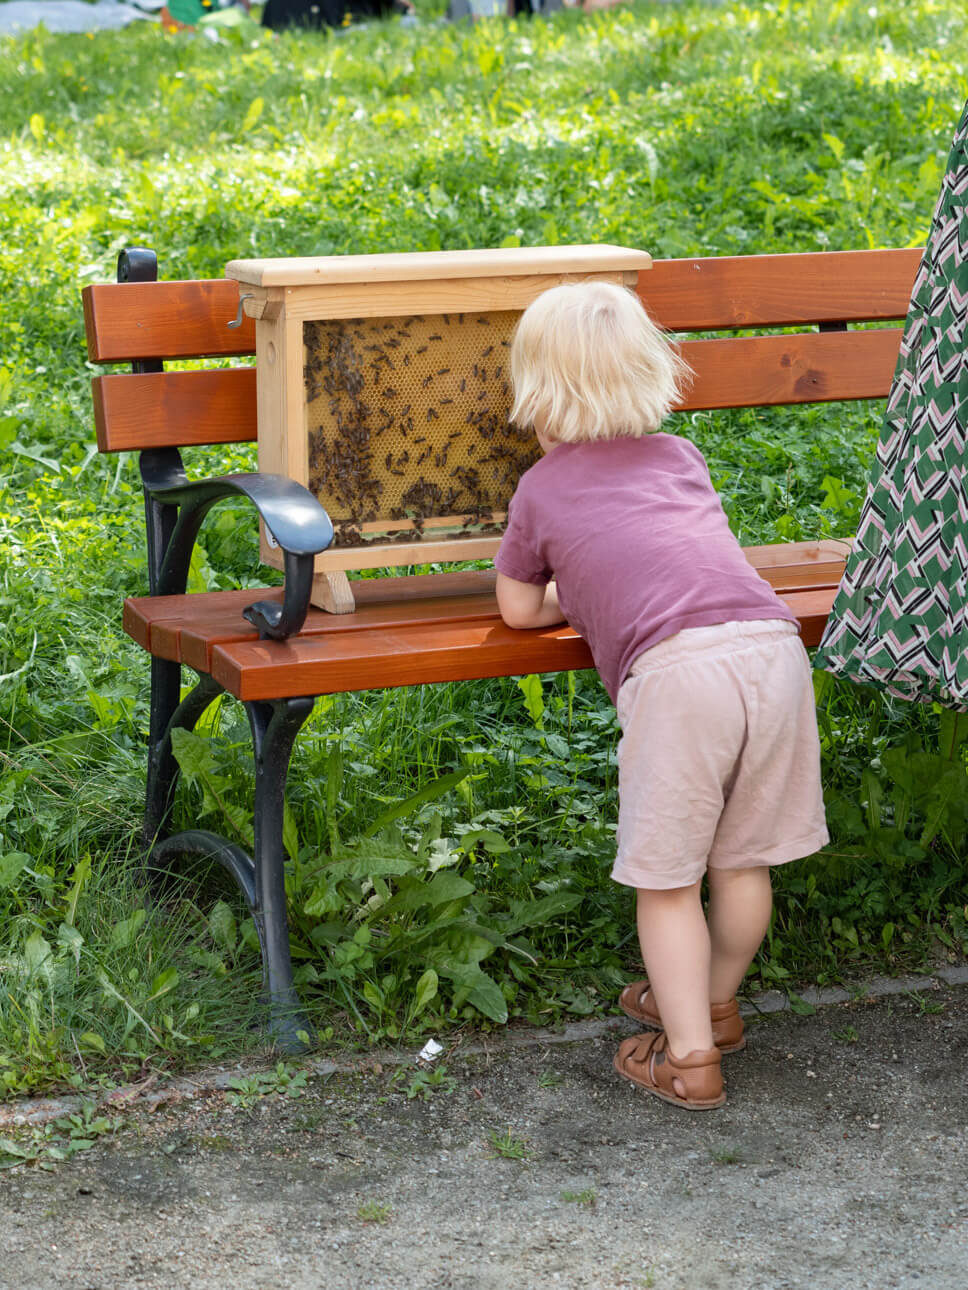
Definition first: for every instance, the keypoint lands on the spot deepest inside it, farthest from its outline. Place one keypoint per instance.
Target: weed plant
(450, 845)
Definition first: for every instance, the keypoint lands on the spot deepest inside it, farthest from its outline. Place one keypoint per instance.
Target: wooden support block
(332, 592)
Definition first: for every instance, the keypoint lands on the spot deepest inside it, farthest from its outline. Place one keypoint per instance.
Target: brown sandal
(648, 1063)
(638, 1002)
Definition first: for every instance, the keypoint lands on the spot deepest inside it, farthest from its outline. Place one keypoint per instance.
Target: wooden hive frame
(309, 312)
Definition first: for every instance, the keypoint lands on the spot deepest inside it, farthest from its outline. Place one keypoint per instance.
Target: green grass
(684, 129)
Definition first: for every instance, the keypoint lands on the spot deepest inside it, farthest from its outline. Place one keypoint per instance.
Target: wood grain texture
(203, 407)
(461, 607)
(759, 371)
(179, 409)
(437, 296)
(382, 658)
(423, 266)
(779, 290)
(127, 321)
(185, 628)
(168, 320)
(388, 657)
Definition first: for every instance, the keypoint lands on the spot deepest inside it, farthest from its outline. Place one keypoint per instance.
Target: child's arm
(524, 604)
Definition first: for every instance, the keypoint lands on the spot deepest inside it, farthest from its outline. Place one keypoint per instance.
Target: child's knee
(669, 897)
(752, 874)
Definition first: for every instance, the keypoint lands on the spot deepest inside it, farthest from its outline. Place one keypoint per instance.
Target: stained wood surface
(779, 290)
(812, 367)
(419, 618)
(382, 658)
(155, 409)
(182, 409)
(174, 320)
(127, 321)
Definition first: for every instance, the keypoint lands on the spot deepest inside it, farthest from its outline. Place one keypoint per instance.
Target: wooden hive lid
(423, 266)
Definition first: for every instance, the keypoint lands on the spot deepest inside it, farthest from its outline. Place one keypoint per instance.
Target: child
(719, 761)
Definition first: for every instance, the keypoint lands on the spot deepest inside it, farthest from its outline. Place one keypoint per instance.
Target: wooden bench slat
(380, 658)
(188, 629)
(128, 321)
(181, 409)
(779, 290)
(184, 628)
(155, 409)
(192, 642)
(168, 320)
(812, 367)
(387, 657)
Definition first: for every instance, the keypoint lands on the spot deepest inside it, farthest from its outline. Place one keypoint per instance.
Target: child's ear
(546, 441)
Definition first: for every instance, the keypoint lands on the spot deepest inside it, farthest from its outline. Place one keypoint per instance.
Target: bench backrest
(819, 294)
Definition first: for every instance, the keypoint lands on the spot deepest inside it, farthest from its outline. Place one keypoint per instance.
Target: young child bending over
(719, 760)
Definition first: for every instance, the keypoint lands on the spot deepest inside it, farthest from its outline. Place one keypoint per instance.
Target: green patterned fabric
(899, 619)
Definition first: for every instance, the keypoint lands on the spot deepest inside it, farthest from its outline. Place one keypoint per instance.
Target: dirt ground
(840, 1162)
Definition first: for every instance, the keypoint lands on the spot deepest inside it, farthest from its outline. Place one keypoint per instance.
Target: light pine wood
(284, 295)
(404, 299)
(283, 446)
(416, 266)
(333, 592)
(393, 554)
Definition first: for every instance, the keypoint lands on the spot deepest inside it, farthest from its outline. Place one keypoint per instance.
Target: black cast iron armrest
(289, 511)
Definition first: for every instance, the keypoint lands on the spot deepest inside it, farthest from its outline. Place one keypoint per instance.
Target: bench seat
(416, 630)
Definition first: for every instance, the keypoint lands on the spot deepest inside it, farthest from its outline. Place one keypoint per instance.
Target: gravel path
(839, 1163)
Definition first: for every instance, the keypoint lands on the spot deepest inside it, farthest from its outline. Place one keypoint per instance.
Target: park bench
(276, 654)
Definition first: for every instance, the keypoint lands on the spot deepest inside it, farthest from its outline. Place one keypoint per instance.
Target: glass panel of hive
(407, 425)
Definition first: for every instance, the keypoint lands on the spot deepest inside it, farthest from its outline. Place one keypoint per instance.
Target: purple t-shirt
(637, 541)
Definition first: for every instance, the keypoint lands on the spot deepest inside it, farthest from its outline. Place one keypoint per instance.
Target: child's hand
(523, 604)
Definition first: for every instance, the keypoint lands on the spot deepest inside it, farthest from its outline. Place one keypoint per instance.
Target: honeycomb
(407, 422)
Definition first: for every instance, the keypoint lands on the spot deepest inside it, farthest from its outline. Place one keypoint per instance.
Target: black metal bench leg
(274, 728)
(162, 767)
(168, 711)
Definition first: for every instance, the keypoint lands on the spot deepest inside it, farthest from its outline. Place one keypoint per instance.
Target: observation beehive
(384, 387)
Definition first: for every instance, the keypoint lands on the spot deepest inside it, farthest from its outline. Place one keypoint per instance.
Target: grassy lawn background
(686, 129)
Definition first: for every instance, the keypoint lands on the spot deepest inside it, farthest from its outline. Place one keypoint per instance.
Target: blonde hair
(587, 362)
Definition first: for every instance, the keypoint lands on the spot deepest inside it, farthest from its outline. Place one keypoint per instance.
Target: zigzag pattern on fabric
(900, 619)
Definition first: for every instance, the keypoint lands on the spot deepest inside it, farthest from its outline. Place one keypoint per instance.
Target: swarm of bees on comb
(407, 421)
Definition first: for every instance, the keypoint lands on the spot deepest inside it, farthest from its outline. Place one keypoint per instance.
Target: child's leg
(675, 947)
(738, 914)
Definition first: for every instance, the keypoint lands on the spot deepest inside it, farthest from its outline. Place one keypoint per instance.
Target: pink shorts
(719, 760)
